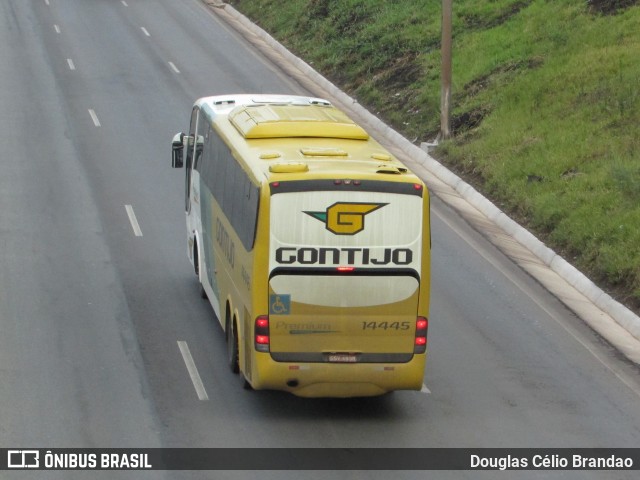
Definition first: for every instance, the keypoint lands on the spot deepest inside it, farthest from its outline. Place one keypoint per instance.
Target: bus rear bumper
(339, 379)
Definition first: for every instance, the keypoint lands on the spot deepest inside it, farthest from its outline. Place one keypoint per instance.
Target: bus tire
(232, 348)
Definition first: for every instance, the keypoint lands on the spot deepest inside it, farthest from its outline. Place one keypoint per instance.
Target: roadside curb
(628, 342)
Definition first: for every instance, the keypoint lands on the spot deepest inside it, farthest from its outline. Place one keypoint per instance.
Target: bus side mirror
(177, 149)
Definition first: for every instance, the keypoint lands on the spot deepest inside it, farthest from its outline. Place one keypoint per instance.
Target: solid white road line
(193, 371)
(133, 220)
(173, 67)
(425, 390)
(71, 65)
(144, 30)
(94, 117)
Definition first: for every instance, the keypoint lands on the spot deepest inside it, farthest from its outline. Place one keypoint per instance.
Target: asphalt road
(96, 290)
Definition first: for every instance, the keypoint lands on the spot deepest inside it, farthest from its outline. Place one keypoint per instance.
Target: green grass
(546, 102)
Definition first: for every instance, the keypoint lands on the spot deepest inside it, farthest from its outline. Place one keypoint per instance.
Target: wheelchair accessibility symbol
(279, 304)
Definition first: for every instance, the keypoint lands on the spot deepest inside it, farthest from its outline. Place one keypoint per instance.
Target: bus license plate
(342, 358)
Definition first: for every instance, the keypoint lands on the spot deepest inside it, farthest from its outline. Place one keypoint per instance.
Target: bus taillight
(261, 334)
(420, 344)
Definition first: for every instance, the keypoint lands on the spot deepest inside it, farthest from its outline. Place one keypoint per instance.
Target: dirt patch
(610, 7)
(318, 9)
(478, 84)
(469, 120)
(478, 22)
(402, 72)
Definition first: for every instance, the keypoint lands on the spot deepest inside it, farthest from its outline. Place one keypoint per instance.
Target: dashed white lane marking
(144, 30)
(173, 67)
(94, 117)
(193, 371)
(125, 3)
(134, 221)
(46, 2)
(71, 65)
(425, 390)
(56, 28)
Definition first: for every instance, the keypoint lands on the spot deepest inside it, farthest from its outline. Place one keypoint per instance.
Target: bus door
(190, 147)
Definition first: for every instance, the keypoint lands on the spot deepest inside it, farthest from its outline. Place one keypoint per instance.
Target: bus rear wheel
(232, 348)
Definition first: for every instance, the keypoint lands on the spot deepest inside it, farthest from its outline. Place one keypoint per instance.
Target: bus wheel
(232, 348)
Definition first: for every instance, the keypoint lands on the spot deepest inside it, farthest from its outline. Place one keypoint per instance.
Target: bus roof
(283, 137)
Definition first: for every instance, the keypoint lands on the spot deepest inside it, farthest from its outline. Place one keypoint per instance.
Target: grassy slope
(546, 105)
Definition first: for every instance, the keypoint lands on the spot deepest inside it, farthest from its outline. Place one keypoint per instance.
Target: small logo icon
(345, 218)
(23, 459)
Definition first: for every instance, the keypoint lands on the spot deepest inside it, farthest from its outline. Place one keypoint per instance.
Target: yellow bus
(312, 244)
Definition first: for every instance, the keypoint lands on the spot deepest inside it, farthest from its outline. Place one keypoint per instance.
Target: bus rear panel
(344, 287)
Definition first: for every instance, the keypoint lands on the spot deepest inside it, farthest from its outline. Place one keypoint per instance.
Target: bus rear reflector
(420, 344)
(261, 333)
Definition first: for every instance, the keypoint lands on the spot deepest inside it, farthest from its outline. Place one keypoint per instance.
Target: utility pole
(445, 75)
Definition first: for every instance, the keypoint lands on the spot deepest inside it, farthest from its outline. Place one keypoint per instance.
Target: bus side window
(201, 142)
(251, 213)
(218, 186)
(230, 186)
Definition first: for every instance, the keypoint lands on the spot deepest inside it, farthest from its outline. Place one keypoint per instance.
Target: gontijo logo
(345, 218)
